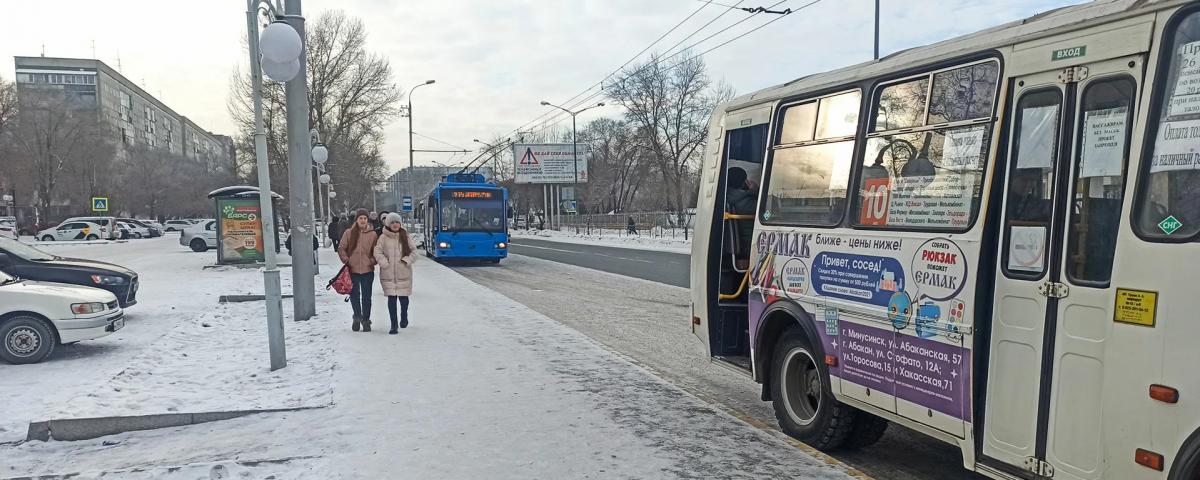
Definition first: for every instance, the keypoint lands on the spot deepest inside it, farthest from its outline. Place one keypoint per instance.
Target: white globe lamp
(320, 154)
(280, 42)
(324, 178)
(332, 194)
(281, 72)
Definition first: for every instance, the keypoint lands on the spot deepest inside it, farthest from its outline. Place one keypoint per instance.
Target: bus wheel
(867, 430)
(803, 400)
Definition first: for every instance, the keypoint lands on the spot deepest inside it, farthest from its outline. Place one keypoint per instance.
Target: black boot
(357, 321)
(404, 323)
(366, 325)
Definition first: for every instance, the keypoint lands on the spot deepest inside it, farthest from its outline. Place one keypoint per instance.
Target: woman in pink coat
(395, 254)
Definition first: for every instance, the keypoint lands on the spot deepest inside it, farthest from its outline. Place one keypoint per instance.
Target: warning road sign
(529, 158)
(99, 204)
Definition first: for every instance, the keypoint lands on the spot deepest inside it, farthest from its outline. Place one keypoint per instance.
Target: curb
(73, 429)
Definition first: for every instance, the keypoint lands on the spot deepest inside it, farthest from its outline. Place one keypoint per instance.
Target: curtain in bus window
(923, 180)
(1170, 203)
(1031, 184)
(808, 184)
(1099, 179)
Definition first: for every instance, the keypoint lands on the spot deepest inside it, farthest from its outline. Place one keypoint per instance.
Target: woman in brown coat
(357, 252)
(395, 253)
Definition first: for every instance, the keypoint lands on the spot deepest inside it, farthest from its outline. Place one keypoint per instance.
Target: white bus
(993, 240)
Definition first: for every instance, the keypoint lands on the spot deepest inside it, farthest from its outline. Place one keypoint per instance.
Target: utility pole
(304, 300)
(408, 188)
(877, 29)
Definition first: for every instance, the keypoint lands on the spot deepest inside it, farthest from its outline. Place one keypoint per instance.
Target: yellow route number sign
(1138, 307)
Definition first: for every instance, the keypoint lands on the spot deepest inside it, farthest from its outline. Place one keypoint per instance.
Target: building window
(26, 78)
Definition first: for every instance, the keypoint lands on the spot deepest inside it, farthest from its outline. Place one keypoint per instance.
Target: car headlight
(502, 245)
(86, 308)
(443, 244)
(108, 280)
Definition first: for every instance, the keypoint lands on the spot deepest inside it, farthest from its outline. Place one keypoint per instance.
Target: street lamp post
(408, 187)
(574, 150)
(281, 47)
(8, 202)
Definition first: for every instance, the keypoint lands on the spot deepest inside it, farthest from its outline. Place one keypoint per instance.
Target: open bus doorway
(733, 222)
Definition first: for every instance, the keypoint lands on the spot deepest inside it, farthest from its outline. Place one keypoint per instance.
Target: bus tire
(802, 396)
(867, 430)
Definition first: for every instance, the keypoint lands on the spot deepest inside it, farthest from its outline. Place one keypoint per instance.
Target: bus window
(1031, 185)
(902, 105)
(838, 115)
(808, 184)
(963, 93)
(1099, 179)
(798, 123)
(930, 179)
(1169, 203)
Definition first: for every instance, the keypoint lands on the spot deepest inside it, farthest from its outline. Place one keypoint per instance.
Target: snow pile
(613, 238)
(216, 361)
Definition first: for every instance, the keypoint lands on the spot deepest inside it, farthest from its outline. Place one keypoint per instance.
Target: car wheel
(137, 235)
(93, 237)
(26, 339)
(198, 245)
(804, 403)
(47, 238)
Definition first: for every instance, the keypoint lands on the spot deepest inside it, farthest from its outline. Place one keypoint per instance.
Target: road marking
(622, 258)
(547, 248)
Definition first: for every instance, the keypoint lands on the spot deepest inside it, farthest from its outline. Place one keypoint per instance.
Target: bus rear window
(1169, 200)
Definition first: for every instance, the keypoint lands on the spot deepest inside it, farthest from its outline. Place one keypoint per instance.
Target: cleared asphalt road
(663, 267)
(648, 322)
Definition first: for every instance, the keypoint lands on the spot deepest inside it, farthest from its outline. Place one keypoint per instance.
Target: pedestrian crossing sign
(99, 204)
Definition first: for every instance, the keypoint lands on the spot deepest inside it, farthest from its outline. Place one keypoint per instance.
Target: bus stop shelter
(239, 224)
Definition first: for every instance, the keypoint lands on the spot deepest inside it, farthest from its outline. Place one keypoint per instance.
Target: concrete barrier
(73, 429)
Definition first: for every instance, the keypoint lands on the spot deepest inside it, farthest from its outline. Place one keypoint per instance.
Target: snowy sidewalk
(477, 387)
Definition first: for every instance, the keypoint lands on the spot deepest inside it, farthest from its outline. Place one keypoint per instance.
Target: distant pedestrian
(631, 226)
(380, 223)
(335, 231)
(395, 253)
(357, 252)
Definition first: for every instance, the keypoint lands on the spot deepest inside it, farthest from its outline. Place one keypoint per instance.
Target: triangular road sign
(528, 158)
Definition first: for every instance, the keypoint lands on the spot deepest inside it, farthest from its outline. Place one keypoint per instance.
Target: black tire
(867, 430)
(495, 260)
(26, 339)
(815, 418)
(137, 235)
(93, 237)
(198, 245)
(47, 238)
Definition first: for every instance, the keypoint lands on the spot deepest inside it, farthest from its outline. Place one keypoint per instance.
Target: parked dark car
(24, 261)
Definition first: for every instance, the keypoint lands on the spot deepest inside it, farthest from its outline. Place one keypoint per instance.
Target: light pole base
(274, 302)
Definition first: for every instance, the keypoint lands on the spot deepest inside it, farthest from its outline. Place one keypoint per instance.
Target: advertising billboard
(549, 163)
(239, 231)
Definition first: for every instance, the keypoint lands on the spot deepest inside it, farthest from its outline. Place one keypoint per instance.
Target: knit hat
(362, 212)
(392, 218)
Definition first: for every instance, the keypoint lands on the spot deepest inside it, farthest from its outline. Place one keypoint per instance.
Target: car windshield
(22, 250)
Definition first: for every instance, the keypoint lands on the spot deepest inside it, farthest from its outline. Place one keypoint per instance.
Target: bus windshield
(472, 211)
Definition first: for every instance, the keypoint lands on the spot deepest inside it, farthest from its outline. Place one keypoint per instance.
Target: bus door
(1067, 159)
(731, 183)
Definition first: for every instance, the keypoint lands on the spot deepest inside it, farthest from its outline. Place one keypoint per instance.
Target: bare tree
(53, 135)
(618, 167)
(351, 95)
(669, 105)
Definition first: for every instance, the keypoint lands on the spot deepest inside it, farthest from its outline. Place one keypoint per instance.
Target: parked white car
(109, 230)
(200, 237)
(8, 229)
(176, 225)
(135, 230)
(36, 317)
(73, 230)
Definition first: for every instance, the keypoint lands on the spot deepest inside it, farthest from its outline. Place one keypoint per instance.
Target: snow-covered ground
(612, 238)
(478, 386)
(177, 339)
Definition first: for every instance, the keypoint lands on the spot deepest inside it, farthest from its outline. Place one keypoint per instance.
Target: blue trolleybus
(465, 218)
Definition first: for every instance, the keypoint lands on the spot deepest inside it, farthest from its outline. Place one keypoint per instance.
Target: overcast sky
(494, 60)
